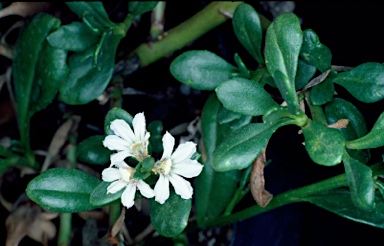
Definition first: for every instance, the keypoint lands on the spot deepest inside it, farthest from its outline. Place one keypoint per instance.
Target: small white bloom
(122, 177)
(173, 165)
(127, 142)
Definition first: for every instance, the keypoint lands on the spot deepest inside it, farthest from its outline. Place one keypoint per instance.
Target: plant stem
(289, 197)
(65, 229)
(114, 213)
(183, 34)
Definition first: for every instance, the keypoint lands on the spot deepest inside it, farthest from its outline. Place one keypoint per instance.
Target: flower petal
(183, 152)
(145, 189)
(138, 124)
(116, 186)
(114, 142)
(110, 174)
(123, 130)
(162, 189)
(182, 186)
(121, 164)
(168, 144)
(188, 168)
(128, 196)
(120, 156)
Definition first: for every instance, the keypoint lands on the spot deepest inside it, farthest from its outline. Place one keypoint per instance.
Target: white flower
(172, 166)
(127, 142)
(122, 177)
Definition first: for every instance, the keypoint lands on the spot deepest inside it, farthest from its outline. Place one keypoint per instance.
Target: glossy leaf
(324, 145)
(201, 69)
(373, 139)
(247, 26)
(93, 13)
(340, 203)
(139, 8)
(144, 168)
(323, 92)
(213, 190)
(86, 80)
(276, 114)
(243, 69)
(170, 219)
(315, 53)
(365, 82)
(245, 97)
(34, 61)
(282, 47)
(113, 114)
(304, 73)
(73, 37)
(287, 92)
(241, 147)
(340, 109)
(91, 150)
(225, 116)
(360, 183)
(99, 196)
(265, 77)
(63, 190)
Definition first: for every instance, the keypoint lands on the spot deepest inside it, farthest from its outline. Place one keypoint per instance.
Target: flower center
(139, 151)
(164, 166)
(126, 174)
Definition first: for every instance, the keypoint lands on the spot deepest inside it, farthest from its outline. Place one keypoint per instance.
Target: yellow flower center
(139, 151)
(126, 174)
(164, 166)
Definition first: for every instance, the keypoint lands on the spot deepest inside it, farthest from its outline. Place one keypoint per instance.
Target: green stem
(183, 34)
(65, 230)
(289, 197)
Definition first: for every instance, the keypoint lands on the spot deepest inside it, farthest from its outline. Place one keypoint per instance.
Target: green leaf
(243, 69)
(213, 190)
(360, 183)
(156, 128)
(245, 97)
(276, 114)
(324, 145)
(170, 219)
(282, 47)
(241, 147)
(365, 82)
(265, 77)
(144, 168)
(323, 92)
(201, 69)
(287, 92)
(63, 190)
(225, 116)
(248, 30)
(38, 69)
(91, 150)
(86, 81)
(315, 53)
(304, 73)
(340, 203)
(99, 196)
(73, 37)
(93, 13)
(339, 109)
(113, 114)
(139, 8)
(373, 139)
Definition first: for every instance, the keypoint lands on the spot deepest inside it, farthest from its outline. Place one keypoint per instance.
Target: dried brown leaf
(25, 9)
(317, 80)
(118, 224)
(261, 196)
(42, 231)
(342, 123)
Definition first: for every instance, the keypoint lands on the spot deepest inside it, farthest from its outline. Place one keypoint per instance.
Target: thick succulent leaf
(92, 151)
(201, 69)
(282, 47)
(90, 75)
(99, 196)
(360, 183)
(242, 146)
(170, 219)
(245, 97)
(315, 53)
(373, 139)
(339, 202)
(63, 190)
(324, 145)
(365, 82)
(323, 92)
(214, 189)
(73, 37)
(248, 30)
(304, 73)
(113, 114)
